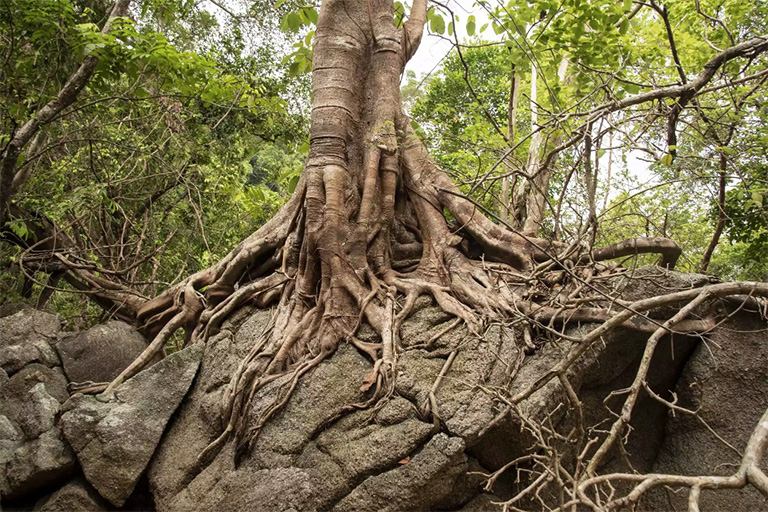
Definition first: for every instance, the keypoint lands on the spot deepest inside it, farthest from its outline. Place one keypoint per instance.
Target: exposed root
(190, 304)
(435, 386)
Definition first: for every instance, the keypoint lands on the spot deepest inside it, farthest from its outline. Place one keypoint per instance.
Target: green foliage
(300, 18)
(150, 169)
(455, 121)
(612, 52)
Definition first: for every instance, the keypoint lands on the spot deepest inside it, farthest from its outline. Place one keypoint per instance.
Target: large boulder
(11, 308)
(28, 336)
(33, 454)
(296, 463)
(360, 461)
(114, 437)
(416, 485)
(100, 353)
(726, 382)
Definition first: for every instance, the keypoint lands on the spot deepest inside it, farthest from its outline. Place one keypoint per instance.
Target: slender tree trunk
(514, 95)
(721, 216)
(540, 175)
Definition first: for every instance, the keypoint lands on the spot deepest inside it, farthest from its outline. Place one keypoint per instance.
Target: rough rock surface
(391, 460)
(100, 353)
(33, 454)
(28, 337)
(12, 308)
(115, 440)
(395, 457)
(292, 465)
(436, 467)
(76, 496)
(726, 380)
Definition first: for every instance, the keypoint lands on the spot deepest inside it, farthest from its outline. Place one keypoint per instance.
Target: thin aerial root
(252, 434)
(410, 300)
(190, 312)
(235, 387)
(213, 449)
(451, 305)
(307, 327)
(529, 347)
(367, 300)
(217, 315)
(444, 331)
(368, 348)
(87, 387)
(436, 385)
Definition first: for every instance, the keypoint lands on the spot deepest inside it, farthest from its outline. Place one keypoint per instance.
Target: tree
(374, 219)
(367, 220)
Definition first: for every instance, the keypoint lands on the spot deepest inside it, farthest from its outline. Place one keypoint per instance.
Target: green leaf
(19, 228)
(292, 183)
(471, 26)
(294, 21)
(312, 15)
(631, 88)
(437, 24)
(624, 26)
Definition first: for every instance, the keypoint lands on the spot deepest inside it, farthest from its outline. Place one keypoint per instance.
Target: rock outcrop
(114, 437)
(428, 478)
(726, 381)
(395, 459)
(426, 447)
(33, 454)
(28, 336)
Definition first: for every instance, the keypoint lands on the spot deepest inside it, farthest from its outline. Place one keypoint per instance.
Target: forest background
(192, 130)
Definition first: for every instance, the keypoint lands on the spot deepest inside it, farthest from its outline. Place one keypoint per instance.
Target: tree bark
(721, 216)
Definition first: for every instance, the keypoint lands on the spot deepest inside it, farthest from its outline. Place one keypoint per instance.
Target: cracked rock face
(436, 467)
(115, 439)
(33, 454)
(297, 463)
(726, 381)
(28, 337)
(100, 353)
(76, 496)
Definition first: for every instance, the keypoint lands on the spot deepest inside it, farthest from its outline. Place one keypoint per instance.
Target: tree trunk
(721, 215)
(514, 95)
